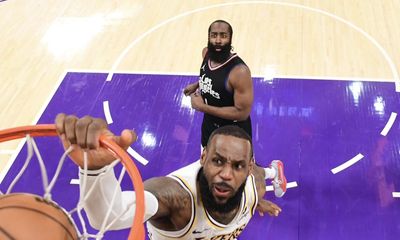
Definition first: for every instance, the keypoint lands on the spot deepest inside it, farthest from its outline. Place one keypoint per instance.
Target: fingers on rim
(59, 122)
(95, 129)
(81, 131)
(69, 128)
(85, 131)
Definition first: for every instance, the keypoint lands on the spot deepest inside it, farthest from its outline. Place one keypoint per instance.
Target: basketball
(30, 217)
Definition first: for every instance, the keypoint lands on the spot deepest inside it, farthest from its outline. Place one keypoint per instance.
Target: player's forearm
(99, 200)
(194, 85)
(230, 113)
(105, 188)
(191, 88)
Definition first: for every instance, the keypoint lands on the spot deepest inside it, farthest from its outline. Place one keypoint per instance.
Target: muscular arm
(174, 204)
(241, 84)
(259, 175)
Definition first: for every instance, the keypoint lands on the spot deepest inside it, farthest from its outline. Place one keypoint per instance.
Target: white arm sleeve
(98, 202)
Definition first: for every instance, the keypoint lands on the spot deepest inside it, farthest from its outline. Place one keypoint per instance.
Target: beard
(219, 56)
(209, 201)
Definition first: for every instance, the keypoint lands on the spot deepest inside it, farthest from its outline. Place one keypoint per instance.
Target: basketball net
(29, 132)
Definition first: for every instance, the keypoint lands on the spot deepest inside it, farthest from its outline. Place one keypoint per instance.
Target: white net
(85, 191)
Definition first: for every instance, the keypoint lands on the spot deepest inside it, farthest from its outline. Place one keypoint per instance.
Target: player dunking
(213, 198)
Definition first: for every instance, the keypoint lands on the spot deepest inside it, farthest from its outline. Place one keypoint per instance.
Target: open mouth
(217, 48)
(221, 191)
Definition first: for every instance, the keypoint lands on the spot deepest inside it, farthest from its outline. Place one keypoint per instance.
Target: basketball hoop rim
(42, 130)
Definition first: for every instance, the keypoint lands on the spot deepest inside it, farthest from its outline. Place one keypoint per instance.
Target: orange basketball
(30, 217)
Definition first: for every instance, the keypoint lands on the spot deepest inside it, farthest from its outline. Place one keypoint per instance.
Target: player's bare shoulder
(204, 52)
(241, 70)
(240, 77)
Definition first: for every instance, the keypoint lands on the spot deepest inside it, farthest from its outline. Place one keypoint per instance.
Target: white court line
(347, 164)
(137, 156)
(396, 194)
(132, 152)
(74, 181)
(196, 74)
(11, 161)
(107, 113)
(270, 188)
(83, 70)
(389, 124)
(46, 103)
(331, 78)
(392, 66)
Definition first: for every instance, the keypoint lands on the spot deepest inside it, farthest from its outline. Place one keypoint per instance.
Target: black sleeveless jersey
(213, 85)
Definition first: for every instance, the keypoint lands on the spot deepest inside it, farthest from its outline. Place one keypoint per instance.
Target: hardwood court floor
(331, 96)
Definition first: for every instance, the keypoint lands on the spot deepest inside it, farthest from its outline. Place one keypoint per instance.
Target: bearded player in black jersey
(224, 93)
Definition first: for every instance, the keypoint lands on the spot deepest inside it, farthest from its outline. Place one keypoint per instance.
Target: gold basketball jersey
(201, 225)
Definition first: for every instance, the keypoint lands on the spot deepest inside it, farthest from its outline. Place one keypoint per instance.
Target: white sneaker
(279, 182)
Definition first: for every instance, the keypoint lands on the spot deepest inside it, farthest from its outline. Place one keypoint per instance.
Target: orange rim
(41, 130)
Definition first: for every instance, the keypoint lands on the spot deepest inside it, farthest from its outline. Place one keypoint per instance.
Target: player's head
(224, 24)
(219, 40)
(227, 161)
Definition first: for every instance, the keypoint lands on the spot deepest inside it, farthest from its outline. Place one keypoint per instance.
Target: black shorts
(211, 123)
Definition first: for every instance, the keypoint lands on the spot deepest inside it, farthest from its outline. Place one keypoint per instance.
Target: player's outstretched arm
(166, 202)
(164, 197)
